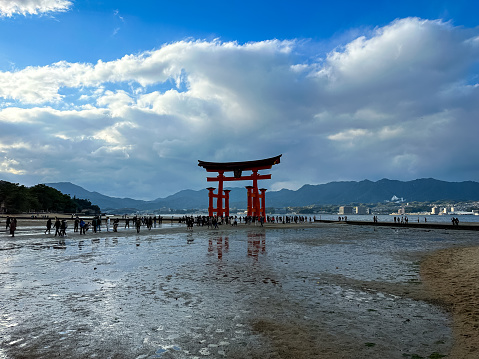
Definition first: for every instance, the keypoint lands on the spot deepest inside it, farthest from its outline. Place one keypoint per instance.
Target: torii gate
(256, 200)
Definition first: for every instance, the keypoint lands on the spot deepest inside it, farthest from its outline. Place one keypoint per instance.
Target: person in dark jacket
(49, 226)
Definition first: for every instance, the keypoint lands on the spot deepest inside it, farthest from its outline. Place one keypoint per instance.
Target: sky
(124, 97)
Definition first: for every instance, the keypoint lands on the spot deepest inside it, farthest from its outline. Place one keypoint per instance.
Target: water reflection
(221, 245)
(256, 244)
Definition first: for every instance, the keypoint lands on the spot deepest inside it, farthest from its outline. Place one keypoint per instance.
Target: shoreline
(167, 226)
(465, 226)
(166, 220)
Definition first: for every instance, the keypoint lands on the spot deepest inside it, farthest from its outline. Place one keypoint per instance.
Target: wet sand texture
(452, 277)
(292, 291)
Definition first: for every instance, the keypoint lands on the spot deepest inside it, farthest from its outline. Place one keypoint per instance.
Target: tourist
(108, 224)
(138, 225)
(57, 226)
(82, 226)
(49, 226)
(63, 228)
(13, 226)
(98, 223)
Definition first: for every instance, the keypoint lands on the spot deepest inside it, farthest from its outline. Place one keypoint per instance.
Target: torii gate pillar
(262, 198)
(211, 195)
(227, 202)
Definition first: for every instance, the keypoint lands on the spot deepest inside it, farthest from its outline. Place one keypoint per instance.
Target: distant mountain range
(338, 193)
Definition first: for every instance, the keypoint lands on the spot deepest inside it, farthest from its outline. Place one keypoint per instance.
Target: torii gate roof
(265, 163)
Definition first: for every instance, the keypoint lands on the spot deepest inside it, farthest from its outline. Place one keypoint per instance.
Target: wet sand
(452, 278)
(281, 291)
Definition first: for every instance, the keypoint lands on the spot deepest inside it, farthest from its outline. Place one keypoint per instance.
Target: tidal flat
(279, 291)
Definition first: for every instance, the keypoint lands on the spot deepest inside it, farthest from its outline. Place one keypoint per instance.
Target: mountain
(104, 202)
(338, 193)
(421, 190)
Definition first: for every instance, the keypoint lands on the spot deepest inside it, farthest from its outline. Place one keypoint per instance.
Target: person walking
(57, 227)
(108, 224)
(13, 226)
(49, 226)
(138, 225)
(63, 228)
(82, 226)
(75, 225)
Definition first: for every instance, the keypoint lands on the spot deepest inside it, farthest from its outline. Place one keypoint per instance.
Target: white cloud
(383, 105)
(10, 166)
(349, 135)
(8, 8)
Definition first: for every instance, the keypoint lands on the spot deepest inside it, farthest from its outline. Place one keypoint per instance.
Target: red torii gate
(256, 200)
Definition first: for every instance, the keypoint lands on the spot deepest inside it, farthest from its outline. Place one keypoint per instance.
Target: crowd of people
(214, 221)
(79, 224)
(95, 224)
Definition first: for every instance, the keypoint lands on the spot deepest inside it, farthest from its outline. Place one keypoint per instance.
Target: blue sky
(124, 97)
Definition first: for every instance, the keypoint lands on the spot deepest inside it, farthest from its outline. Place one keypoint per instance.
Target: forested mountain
(420, 190)
(15, 198)
(337, 193)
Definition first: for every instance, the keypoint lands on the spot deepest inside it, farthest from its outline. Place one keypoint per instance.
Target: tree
(39, 198)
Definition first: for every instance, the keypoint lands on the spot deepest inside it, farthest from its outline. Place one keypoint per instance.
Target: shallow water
(187, 295)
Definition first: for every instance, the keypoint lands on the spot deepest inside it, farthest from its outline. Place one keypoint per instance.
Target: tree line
(15, 198)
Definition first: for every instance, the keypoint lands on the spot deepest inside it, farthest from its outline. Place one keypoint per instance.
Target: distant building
(402, 211)
(434, 210)
(361, 210)
(345, 210)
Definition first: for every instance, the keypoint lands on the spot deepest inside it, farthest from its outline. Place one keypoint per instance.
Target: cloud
(8, 8)
(400, 101)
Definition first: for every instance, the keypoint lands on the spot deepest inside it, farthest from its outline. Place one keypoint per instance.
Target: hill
(338, 193)
(15, 198)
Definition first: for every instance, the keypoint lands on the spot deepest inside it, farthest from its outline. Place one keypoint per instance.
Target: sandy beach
(279, 291)
(451, 277)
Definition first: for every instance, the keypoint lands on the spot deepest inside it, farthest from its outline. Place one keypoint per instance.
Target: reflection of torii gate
(256, 200)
